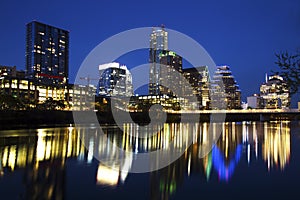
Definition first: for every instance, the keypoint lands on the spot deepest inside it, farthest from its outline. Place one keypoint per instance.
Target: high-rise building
(199, 79)
(225, 92)
(275, 93)
(170, 74)
(47, 54)
(115, 80)
(158, 43)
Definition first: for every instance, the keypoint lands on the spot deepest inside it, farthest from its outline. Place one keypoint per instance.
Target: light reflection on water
(41, 156)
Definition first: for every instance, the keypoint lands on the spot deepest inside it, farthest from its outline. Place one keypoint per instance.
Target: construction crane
(88, 79)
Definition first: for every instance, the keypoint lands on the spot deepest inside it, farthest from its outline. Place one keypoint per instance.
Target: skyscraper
(158, 43)
(225, 90)
(115, 80)
(198, 79)
(47, 54)
(170, 74)
(275, 93)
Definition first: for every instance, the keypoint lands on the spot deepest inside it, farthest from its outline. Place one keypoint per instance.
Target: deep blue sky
(242, 34)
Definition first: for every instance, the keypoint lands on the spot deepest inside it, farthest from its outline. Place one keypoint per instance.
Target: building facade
(158, 43)
(225, 90)
(275, 93)
(255, 101)
(170, 75)
(27, 89)
(47, 54)
(199, 79)
(8, 71)
(81, 97)
(115, 80)
(14, 83)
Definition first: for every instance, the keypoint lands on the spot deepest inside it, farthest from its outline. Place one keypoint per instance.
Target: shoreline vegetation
(15, 119)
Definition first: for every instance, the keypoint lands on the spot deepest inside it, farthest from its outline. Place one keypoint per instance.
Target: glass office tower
(115, 80)
(158, 43)
(47, 54)
(170, 74)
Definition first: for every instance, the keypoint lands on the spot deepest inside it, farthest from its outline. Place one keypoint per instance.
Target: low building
(18, 87)
(144, 102)
(26, 88)
(10, 71)
(81, 97)
(14, 83)
(255, 102)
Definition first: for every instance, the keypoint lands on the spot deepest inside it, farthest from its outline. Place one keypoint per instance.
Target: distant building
(255, 101)
(144, 102)
(11, 71)
(225, 90)
(81, 97)
(158, 43)
(8, 71)
(244, 105)
(275, 93)
(199, 79)
(115, 80)
(47, 54)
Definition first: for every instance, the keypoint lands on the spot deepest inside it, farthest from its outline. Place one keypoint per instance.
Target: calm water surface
(253, 160)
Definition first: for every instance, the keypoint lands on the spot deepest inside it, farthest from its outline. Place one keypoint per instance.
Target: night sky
(242, 34)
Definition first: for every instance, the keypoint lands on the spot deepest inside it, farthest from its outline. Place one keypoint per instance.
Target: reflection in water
(44, 153)
(276, 145)
(224, 167)
(43, 156)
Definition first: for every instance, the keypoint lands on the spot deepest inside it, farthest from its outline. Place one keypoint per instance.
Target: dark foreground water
(251, 160)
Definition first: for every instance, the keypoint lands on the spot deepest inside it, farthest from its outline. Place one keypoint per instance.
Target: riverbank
(35, 118)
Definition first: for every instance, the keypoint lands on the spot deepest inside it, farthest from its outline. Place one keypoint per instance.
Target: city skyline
(47, 58)
(244, 35)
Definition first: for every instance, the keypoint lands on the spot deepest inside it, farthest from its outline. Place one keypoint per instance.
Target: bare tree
(289, 65)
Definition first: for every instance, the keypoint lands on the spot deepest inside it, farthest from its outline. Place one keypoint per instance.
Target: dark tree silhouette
(9, 102)
(289, 65)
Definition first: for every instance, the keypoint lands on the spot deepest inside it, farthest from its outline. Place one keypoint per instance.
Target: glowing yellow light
(107, 176)
(12, 157)
(48, 150)
(40, 148)
(5, 155)
(22, 155)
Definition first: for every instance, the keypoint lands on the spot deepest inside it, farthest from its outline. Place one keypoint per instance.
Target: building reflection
(276, 144)
(239, 142)
(43, 154)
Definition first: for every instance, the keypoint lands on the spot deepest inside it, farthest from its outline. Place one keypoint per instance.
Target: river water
(250, 160)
